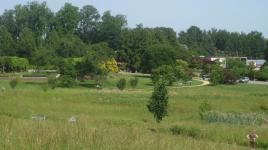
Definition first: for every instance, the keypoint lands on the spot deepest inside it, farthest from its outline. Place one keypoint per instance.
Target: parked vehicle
(205, 77)
(244, 80)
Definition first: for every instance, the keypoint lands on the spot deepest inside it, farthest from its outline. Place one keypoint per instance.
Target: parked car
(205, 77)
(244, 80)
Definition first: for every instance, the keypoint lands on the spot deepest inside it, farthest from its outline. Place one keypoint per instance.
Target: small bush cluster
(13, 83)
(264, 108)
(234, 118)
(13, 64)
(191, 132)
(121, 84)
(262, 144)
(67, 81)
(45, 87)
(204, 108)
(52, 82)
(262, 75)
(134, 82)
(172, 73)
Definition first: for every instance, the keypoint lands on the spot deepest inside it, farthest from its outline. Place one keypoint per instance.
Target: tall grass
(112, 119)
(234, 118)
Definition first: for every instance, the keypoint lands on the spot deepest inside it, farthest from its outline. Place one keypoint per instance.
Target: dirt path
(205, 83)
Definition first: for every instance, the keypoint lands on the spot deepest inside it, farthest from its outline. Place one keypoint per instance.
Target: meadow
(109, 119)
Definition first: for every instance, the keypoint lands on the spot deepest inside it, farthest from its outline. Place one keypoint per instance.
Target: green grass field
(119, 120)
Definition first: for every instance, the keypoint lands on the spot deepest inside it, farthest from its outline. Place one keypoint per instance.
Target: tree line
(224, 43)
(34, 32)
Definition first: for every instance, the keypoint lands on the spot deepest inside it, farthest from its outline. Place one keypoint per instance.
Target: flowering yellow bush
(110, 66)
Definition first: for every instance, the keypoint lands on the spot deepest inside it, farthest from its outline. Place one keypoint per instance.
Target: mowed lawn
(119, 120)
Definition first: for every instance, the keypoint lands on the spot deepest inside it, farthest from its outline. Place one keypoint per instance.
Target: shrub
(67, 68)
(111, 66)
(13, 83)
(191, 132)
(134, 82)
(262, 144)
(121, 84)
(264, 108)
(216, 75)
(66, 81)
(11, 63)
(158, 103)
(203, 108)
(44, 87)
(166, 73)
(263, 74)
(99, 80)
(52, 82)
(229, 77)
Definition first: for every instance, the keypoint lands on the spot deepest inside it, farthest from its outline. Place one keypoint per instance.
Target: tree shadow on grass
(88, 85)
(34, 83)
(142, 76)
(149, 84)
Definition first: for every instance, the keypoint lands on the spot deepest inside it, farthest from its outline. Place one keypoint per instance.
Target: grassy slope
(111, 119)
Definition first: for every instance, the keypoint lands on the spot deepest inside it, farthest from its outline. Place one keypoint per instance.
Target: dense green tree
(158, 55)
(43, 58)
(92, 62)
(8, 20)
(111, 28)
(67, 19)
(35, 16)
(216, 75)
(238, 67)
(103, 51)
(256, 44)
(53, 40)
(13, 64)
(71, 46)
(164, 73)
(158, 103)
(26, 44)
(6, 42)
(223, 43)
(263, 74)
(89, 24)
(229, 77)
(266, 51)
(196, 39)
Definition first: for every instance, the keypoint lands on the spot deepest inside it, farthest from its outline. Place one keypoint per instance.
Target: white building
(258, 63)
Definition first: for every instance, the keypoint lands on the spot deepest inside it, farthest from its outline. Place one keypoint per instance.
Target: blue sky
(233, 15)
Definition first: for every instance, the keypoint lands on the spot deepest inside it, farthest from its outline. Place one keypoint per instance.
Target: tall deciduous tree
(71, 45)
(88, 24)
(111, 28)
(6, 42)
(158, 55)
(26, 43)
(67, 19)
(8, 20)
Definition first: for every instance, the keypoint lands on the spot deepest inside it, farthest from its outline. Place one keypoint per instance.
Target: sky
(232, 15)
